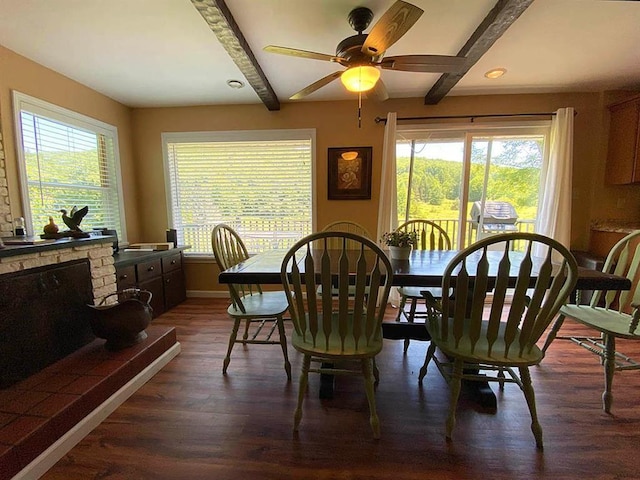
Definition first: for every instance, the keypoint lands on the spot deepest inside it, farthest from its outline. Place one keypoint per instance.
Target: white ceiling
(146, 53)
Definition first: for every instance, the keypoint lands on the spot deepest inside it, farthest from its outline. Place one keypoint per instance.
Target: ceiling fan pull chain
(359, 109)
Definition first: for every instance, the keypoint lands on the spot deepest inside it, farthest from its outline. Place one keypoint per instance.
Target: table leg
(327, 383)
(481, 392)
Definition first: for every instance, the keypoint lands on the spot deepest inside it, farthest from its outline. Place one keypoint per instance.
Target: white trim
(47, 459)
(238, 136)
(42, 108)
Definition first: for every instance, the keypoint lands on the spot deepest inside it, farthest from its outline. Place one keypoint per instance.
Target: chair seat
(601, 319)
(335, 349)
(499, 355)
(335, 291)
(416, 292)
(265, 304)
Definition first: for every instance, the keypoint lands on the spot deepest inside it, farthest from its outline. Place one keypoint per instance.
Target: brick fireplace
(46, 414)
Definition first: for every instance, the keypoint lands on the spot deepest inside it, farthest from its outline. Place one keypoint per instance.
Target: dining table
(424, 268)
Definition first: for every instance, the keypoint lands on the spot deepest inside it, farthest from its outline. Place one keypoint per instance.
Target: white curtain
(554, 208)
(388, 206)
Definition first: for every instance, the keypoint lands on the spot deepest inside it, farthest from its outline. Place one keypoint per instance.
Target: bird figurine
(75, 218)
(51, 228)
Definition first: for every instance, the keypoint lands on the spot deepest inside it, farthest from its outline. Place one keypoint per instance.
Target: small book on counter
(149, 247)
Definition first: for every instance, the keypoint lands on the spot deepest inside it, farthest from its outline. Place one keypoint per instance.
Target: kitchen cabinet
(159, 272)
(623, 153)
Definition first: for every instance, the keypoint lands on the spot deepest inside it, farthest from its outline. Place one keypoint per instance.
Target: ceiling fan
(362, 54)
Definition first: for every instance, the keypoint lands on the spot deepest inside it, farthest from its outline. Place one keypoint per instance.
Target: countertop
(615, 226)
(123, 258)
(40, 245)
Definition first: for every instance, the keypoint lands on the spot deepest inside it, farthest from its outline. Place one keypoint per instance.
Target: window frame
(467, 132)
(236, 136)
(76, 120)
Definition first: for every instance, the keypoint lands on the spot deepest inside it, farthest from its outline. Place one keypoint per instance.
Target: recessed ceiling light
(495, 73)
(235, 83)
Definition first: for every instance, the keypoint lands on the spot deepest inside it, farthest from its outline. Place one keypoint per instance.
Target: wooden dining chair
(347, 226)
(249, 303)
(479, 329)
(431, 236)
(611, 314)
(335, 243)
(337, 330)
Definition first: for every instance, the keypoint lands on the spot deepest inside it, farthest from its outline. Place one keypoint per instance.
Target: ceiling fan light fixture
(495, 73)
(360, 78)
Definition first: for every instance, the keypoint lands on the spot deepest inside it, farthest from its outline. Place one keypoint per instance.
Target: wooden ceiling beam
(219, 18)
(497, 21)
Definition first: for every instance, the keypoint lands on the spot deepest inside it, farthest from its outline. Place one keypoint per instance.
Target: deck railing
(260, 235)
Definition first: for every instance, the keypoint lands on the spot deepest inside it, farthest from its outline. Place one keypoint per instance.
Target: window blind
(66, 165)
(261, 188)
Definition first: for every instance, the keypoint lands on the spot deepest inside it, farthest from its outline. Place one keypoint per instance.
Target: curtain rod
(472, 117)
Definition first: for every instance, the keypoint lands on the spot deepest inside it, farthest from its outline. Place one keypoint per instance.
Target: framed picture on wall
(349, 173)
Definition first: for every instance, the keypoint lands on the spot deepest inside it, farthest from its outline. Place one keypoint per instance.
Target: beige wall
(336, 126)
(25, 76)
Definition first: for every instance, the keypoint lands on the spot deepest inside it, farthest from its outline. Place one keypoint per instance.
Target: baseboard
(208, 294)
(47, 459)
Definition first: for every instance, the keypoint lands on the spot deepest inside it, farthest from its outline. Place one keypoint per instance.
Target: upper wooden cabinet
(623, 154)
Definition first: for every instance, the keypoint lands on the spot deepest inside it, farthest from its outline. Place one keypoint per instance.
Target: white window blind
(67, 160)
(259, 183)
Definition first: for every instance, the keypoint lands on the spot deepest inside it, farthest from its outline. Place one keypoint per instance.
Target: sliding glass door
(472, 182)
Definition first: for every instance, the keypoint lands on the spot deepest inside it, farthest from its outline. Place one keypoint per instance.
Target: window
(67, 159)
(260, 183)
(442, 173)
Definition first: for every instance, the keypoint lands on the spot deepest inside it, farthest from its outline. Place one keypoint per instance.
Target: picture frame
(349, 173)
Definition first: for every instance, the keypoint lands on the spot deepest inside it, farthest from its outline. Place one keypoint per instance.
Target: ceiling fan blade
(424, 63)
(294, 52)
(393, 24)
(379, 92)
(315, 86)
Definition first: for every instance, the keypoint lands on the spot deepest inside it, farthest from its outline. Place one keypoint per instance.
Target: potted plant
(400, 243)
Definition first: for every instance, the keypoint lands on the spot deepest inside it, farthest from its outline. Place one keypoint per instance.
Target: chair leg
(367, 371)
(246, 330)
(454, 385)
(502, 376)
(376, 372)
(232, 341)
(530, 396)
(403, 301)
(410, 319)
(304, 379)
(430, 351)
(283, 344)
(554, 331)
(609, 369)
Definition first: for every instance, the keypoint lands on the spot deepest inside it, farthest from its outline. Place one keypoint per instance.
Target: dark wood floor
(191, 422)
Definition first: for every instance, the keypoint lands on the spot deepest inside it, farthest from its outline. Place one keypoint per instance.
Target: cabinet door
(174, 288)
(622, 153)
(156, 288)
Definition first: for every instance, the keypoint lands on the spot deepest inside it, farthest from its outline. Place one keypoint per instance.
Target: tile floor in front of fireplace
(36, 412)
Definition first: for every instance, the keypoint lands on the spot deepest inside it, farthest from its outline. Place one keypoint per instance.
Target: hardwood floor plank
(189, 421)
